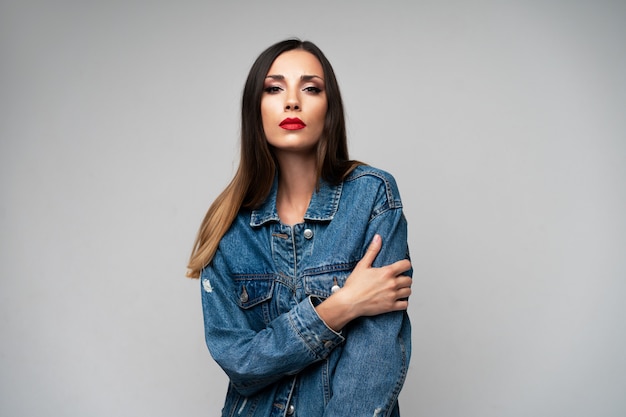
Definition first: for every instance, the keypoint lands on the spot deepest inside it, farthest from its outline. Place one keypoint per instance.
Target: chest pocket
(253, 294)
(322, 282)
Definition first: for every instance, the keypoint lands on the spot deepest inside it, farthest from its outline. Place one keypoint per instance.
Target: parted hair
(257, 163)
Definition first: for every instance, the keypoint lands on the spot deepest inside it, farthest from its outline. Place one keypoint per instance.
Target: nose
(292, 102)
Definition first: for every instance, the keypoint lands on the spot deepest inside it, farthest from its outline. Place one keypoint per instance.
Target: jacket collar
(323, 206)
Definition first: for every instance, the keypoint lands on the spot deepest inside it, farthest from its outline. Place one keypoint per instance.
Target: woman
(301, 314)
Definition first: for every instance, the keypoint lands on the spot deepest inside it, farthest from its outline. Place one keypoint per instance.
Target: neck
(296, 184)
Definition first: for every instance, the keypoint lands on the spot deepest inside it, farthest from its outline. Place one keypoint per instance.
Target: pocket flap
(253, 289)
(322, 285)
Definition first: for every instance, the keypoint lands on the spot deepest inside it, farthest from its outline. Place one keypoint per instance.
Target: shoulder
(366, 179)
(370, 174)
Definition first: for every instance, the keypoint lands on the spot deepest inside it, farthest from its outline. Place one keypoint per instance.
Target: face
(293, 106)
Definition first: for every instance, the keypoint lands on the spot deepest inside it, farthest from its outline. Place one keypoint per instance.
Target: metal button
(308, 233)
(244, 295)
(291, 409)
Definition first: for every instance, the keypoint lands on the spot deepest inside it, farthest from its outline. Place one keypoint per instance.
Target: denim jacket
(259, 294)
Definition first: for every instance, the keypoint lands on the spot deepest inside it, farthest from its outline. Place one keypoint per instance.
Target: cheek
(321, 114)
(266, 114)
(264, 108)
(269, 104)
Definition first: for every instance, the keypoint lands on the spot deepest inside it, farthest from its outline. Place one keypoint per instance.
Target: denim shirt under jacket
(258, 298)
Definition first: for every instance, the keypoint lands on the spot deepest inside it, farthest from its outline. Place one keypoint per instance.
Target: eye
(312, 89)
(272, 89)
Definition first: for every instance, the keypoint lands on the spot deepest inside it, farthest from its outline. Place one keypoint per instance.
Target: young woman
(303, 258)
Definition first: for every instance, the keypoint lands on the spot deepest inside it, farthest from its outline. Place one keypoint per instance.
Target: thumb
(371, 253)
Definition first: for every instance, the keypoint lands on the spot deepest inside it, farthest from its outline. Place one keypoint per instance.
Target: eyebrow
(279, 77)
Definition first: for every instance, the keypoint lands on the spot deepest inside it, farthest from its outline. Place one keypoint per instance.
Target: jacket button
(308, 233)
(244, 295)
(291, 409)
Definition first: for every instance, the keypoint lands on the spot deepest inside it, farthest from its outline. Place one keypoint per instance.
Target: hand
(368, 291)
(372, 291)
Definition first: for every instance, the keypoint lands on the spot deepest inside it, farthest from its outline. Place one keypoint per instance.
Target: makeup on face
(292, 123)
(294, 103)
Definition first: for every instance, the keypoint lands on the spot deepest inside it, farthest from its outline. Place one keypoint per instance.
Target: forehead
(296, 62)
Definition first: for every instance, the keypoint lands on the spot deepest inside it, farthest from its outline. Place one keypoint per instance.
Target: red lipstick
(292, 124)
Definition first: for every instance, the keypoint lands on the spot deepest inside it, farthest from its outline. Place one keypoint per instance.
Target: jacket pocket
(253, 293)
(323, 281)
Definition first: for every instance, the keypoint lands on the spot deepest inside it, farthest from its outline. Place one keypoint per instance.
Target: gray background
(503, 122)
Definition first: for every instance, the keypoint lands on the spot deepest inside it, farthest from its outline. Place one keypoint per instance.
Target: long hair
(257, 165)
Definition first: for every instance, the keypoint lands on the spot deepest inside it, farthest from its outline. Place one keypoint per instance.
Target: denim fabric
(259, 294)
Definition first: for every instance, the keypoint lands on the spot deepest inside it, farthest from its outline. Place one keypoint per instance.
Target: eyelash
(275, 89)
(313, 89)
(272, 89)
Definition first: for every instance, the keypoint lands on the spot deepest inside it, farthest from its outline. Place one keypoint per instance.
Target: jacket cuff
(317, 336)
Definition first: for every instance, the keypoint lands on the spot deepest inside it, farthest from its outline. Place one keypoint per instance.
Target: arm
(368, 291)
(374, 361)
(254, 359)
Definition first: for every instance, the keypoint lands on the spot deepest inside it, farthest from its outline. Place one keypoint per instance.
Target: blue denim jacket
(259, 294)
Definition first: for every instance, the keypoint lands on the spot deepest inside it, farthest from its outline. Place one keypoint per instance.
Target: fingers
(371, 253)
(402, 300)
(390, 287)
(403, 282)
(400, 267)
(373, 249)
(401, 305)
(403, 292)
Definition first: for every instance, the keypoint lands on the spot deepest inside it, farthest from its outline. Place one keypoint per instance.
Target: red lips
(292, 124)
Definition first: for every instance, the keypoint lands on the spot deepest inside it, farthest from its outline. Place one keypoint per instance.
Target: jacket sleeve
(375, 358)
(254, 359)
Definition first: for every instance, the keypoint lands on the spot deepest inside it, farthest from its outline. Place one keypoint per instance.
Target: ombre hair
(257, 165)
